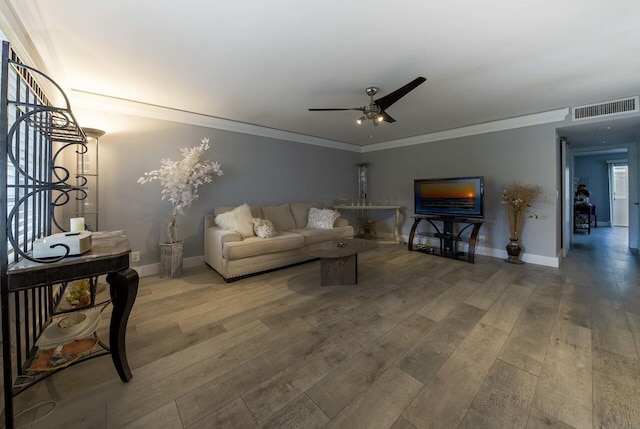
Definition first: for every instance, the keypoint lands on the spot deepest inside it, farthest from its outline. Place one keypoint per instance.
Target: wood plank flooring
(420, 342)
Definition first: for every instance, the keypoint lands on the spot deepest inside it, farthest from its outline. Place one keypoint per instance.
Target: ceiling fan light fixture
(375, 110)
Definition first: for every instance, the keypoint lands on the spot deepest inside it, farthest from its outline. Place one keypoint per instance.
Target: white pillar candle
(77, 224)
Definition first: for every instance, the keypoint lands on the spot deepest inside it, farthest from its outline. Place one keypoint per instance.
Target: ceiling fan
(375, 110)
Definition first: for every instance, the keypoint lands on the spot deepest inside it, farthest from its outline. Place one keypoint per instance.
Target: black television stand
(449, 238)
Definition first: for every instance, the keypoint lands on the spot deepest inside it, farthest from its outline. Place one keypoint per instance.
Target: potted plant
(368, 229)
(517, 199)
(180, 181)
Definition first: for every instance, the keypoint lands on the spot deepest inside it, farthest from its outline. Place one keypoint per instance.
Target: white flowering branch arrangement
(517, 199)
(180, 180)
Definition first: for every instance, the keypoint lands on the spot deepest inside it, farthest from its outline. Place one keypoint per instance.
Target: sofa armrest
(217, 236)
(220, 236)
(214, 239)
(341, 222)
(209, 220)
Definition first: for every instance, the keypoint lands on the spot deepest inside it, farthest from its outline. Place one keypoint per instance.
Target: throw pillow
(280, 216)
(322, 219)
(263, 228)
(238, 219)
(300, 212)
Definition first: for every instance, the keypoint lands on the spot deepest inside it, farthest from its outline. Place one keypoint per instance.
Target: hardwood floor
(421, 342)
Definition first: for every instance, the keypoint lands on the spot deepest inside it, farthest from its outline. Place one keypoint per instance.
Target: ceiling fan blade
(388, 100)
(361, 109)
(385, 117)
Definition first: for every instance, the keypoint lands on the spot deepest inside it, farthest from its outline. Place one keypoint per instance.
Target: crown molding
(550, 116)
(18, 18)
(16, 33)
(106, 103)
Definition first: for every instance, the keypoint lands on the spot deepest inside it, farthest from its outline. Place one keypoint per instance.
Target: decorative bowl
(71, 322)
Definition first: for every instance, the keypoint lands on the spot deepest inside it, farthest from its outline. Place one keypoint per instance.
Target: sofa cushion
(256, 211)
(313, 236)
(263, 228)
(341, 222)
(280, 216)
(300, 212)
(239, 219)
(322, 219)
(253, 246)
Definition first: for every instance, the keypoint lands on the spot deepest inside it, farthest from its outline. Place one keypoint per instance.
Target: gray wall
(257, 170)
(528, 155)
(595, 167)
(260, 170)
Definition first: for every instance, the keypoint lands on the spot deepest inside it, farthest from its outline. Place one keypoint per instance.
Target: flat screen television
(459, 197)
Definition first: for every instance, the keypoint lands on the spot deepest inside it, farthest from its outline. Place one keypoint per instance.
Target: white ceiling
(602, 135)
(266, 62)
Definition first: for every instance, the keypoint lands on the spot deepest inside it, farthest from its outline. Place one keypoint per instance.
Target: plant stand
(171, 259)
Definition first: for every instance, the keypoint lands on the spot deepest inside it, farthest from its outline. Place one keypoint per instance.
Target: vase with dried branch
(180, 180)
(517, 200)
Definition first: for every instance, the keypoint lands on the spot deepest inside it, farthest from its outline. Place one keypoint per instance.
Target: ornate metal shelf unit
(33, 136)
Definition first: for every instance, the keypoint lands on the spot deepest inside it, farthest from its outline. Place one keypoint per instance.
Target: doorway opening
(603, 144)
(619, 193)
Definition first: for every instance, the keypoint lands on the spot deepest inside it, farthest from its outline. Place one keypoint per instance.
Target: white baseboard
(547, 261)
(154, 269)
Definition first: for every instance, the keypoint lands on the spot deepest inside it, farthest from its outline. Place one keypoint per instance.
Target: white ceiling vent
(608, 108)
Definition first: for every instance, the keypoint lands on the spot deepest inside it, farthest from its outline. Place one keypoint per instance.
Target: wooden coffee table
(339, 259)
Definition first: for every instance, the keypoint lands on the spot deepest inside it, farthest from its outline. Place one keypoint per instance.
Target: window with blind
(27, 167)
(33, 135)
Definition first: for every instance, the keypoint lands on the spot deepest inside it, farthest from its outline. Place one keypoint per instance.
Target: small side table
(583, 216)
(34, 285)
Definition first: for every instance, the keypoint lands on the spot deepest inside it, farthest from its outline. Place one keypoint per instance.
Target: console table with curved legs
(396, 216)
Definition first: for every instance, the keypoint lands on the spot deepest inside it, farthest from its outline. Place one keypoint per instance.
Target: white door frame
(612, 198)
(567, 192)
(634, 195)
(633, 151)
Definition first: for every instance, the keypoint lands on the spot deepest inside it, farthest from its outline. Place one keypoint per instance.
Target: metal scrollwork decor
(33, 136)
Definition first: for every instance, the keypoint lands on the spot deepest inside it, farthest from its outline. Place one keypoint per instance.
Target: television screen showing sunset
(448, 190)
(461, 196)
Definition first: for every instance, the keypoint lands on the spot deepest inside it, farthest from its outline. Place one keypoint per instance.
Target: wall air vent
(608, 108)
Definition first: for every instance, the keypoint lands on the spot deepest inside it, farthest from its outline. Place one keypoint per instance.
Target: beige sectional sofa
(232, 257)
